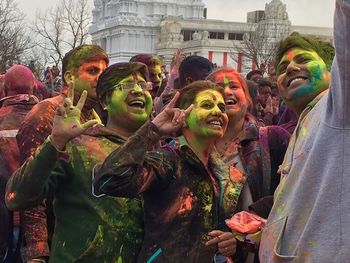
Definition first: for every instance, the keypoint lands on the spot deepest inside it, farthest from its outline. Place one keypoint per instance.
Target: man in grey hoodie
(310, 218)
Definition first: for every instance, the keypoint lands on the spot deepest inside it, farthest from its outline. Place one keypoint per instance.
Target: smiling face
(85, 78)
(155, 76)
(264, 94)
(302, 75)
(236, 101)
(208, 117)
(129, 107)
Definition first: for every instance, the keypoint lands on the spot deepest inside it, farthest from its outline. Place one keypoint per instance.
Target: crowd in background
(130, 162)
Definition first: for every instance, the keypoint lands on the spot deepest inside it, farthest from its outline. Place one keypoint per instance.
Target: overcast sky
(301, 12)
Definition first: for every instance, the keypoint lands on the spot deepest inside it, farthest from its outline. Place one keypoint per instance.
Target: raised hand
(66, 122)
(178, 57)
(171, 119)
(268, 108)
(275, 105)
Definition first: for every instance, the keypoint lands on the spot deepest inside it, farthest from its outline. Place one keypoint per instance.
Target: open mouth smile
(231, 101)
(137, 103)
(296, 81)
(216, 122)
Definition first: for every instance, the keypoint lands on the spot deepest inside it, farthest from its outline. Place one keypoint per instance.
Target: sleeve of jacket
(132, 169)
(5, 215)
(37, 223)
(338, 106)
(35, 233)
(35, 128)
(29, 185)
(278, 144)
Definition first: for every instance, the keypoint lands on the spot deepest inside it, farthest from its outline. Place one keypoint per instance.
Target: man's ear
(68, 77)
(189, 80)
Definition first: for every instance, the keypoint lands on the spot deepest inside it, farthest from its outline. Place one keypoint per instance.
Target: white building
(125, 28)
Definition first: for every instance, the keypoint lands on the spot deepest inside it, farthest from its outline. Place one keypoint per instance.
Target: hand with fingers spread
(224, 240)
(268, 108)
(66, 122)
(275, 105)
(171, 119)
(178, 57)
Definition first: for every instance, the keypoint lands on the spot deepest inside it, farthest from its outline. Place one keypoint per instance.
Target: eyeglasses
(131, 85)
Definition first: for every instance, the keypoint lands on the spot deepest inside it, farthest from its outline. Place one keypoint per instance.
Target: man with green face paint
(309, 221)
(88, 229)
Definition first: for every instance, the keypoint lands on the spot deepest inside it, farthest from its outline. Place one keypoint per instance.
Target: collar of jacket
(250, 132)
(19, 99)
(219, 169)
(310, 105)
(100, 130)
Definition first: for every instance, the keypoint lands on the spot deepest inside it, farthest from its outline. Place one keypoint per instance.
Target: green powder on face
(226, 80)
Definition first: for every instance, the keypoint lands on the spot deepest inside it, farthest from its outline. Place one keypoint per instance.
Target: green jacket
(183, 201)
(88, 228)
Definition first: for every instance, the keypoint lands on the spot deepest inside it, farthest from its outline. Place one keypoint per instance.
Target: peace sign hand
(66, 122)
(171, 119)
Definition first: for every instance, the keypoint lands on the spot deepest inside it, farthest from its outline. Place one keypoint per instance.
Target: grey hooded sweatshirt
(310, 218)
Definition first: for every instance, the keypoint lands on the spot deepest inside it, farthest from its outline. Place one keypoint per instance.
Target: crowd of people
(128, 162)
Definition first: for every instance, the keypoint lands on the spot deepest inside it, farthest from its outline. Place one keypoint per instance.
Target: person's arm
(5, 215)
(178, 57)
(132, 169)
(36, 127)
(262, 207)
(338, 106)
(35, 234)
(29, 185)
(278, 144)
(33, 131)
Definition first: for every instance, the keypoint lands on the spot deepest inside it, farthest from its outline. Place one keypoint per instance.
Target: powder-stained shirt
(183, 201)
(38, 223)
(260, 151)
(88, 228)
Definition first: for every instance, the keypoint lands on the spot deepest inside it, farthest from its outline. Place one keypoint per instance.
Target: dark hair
(264, 82)
(112, 75)
(193, 67)
(253, 72)
(81, 54)
(242, 82)
(324, 49)
(149, 60)
(189, 93)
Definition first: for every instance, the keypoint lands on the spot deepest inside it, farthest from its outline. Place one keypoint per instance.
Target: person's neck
(124, 131)
(89, 102)
(234, 128)
(200, 146)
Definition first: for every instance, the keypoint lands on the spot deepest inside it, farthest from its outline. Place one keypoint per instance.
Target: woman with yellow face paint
(188, 191)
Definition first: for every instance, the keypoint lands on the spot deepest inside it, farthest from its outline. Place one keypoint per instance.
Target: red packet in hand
(245, 223)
